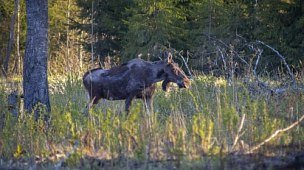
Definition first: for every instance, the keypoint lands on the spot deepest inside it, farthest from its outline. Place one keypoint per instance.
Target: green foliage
(73, 160)
(187, 125)
(6, 14)
(153, 25)
(201, 27)
(277, 23)
(126, 28)
(6, 8)
(108, 27)
(202, 127)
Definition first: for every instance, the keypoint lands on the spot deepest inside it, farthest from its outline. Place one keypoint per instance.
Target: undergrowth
(187, 125)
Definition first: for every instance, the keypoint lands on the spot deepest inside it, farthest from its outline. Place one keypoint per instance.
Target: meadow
(216, 124)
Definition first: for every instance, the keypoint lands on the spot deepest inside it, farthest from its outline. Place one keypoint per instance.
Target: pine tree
(152, 26)
(35, 82)
(105, 22)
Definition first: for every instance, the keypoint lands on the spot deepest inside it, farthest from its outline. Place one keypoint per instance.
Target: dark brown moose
(134, 79)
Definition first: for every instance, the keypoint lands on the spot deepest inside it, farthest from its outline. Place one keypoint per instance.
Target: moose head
(173, 73)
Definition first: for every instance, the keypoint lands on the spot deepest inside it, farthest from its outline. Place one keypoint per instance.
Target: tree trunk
(68, 38)
(18, 57)
(11, 37)
(35, 83)
(92, 35)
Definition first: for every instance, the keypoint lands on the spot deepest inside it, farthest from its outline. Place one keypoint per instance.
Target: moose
(134, 79)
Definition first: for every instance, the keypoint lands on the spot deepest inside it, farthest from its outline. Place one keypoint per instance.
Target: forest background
(245, 106)
(202, 31)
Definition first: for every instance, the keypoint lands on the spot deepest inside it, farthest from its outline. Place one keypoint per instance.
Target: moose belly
(114, 95)
(121, 94)
(121, 89)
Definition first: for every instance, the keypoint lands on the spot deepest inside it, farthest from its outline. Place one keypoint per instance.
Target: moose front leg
(148, 102)
(92, 101)
(165, 85)
(147, 97)
(128, 103)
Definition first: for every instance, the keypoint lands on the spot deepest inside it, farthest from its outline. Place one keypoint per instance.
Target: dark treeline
(209, 34)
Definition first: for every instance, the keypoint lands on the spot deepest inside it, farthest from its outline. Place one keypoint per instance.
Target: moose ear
(169, 59)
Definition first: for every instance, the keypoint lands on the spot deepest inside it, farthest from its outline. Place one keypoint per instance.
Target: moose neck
(158, 71)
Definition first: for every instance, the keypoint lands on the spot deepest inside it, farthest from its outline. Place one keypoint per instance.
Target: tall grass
(188, 125)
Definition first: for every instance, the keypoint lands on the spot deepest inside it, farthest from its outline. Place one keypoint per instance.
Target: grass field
(199, 128)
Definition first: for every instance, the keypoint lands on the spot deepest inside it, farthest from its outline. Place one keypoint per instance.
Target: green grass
(187, 126)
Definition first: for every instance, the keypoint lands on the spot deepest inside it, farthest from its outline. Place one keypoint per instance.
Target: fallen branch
(233, 51)
(275, 134)
(259, 53)
(283, 59)
(222, 56)
(239, 131)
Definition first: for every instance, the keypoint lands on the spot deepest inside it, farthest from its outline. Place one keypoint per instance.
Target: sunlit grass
(187, 125)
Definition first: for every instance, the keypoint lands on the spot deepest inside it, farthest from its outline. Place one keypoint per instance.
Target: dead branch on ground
(276, 133)
(238, 135)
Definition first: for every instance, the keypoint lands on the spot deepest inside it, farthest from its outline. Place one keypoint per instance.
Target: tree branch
(185, 63)
(239, 131)
(276, 133)
(283, 59)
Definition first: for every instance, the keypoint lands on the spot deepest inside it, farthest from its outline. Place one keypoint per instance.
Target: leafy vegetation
(246, 58)
(202, 30)
(187, 126)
